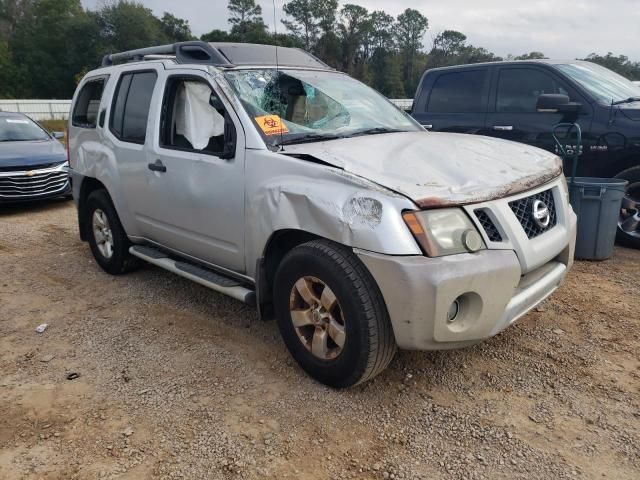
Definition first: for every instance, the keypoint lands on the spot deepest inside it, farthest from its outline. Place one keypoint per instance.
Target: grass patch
(54, 125)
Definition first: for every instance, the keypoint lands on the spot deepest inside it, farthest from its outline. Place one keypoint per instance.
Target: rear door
(512, 106)
(454, 100)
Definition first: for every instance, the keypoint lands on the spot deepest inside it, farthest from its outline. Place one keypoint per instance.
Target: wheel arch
(88, 186)
(278, 245)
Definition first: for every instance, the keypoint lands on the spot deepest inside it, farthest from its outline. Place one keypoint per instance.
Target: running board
(207, 278)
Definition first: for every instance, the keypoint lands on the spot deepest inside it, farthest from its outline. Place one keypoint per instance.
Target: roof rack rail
(185, 52)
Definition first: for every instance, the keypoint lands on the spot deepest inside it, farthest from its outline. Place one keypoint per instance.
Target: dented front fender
(335, 205)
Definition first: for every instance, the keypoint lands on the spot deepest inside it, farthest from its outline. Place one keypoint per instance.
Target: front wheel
(629, 221)
(107, 239)
(331, 314)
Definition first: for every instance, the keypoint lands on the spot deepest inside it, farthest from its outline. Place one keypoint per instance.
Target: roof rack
(221, 54)
(185, 52)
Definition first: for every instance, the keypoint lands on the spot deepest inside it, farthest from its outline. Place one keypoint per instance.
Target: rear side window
(85, 111)
(459, 92)
(519, 89)
(130, 110)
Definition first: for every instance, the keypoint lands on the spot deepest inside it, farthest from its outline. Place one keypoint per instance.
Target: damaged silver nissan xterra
(281, 182)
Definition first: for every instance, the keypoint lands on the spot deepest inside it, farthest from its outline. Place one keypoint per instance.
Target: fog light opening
(452, 313)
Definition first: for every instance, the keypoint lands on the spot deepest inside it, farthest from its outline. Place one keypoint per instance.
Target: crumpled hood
(439, 169)
(26, 154)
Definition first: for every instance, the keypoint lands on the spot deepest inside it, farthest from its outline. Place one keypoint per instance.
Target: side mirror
(556, 103)
(230, 139)
(58, 135)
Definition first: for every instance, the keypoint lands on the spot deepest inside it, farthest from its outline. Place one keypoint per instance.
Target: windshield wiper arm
(311, 137)
(626, 100)
(374, 131)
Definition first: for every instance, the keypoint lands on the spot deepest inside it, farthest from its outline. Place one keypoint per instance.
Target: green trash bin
(597, 203)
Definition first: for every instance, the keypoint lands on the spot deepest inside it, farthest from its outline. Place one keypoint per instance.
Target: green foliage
(530, 56)
(411, 27)
(46, 46)
(311, 20)
(619, 64)
(175, 29)
(450, 48)
(241, 11)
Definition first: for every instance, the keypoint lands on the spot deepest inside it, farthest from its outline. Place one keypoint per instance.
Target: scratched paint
(363, 210)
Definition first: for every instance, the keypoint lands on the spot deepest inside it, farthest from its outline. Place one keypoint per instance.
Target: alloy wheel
(102, 233)
(629, 221)
(317, 318)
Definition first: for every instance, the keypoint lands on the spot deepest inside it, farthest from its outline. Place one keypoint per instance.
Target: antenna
(275, 41)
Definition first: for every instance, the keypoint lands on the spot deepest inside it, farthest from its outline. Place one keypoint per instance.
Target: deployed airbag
(196, 119)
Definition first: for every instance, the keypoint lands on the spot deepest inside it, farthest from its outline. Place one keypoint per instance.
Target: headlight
(443, 232)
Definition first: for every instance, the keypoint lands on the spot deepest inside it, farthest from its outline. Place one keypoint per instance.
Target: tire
(368, 344)
(628, 234)
(120, 260)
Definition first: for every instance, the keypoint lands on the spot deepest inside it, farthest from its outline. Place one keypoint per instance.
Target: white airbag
(196, 119)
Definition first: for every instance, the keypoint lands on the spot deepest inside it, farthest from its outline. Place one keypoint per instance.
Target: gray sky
(567, 29)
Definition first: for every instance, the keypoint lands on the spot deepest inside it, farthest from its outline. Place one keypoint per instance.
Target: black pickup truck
(523, 100)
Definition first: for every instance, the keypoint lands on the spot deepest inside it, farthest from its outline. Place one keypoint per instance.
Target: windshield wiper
(308, 138)
(374, 131)
(626, 100)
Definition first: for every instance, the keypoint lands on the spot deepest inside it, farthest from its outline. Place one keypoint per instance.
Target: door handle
(157, 167)
(503, 128)
(101, 118)
(428, 127)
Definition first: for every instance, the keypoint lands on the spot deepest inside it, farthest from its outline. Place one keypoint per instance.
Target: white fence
(59, 109)
(38, 109)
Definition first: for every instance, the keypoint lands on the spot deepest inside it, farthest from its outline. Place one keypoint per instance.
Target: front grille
(523, 210)
(17, 186)
(489, 227)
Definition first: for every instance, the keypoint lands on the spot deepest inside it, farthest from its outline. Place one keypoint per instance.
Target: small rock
(47, 358)
(128, 432)
(558, 331)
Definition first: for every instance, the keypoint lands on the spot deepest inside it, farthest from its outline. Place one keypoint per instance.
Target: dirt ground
(176, 381)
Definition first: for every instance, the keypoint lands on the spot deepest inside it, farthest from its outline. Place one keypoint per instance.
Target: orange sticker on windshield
(272, 125)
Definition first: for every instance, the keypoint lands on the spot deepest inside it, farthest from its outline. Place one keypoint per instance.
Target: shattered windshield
(295, 106)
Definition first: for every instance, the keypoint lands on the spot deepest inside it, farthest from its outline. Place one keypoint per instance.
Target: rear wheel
(331, 314)
(107, 239)
(629, 221)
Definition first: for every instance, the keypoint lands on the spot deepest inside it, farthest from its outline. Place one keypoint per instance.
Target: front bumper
(39, 184)
(491, 289)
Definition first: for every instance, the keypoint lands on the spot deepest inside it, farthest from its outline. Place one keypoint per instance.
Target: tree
(304, 24)
(175, 29)
(244, 11)
(619, 64)
(411, 26)
(216, 36)
(246, 20)
(128, 25)
(50, 57)
(353, 28)
(12, 12)
(530, 56)
(311, 19)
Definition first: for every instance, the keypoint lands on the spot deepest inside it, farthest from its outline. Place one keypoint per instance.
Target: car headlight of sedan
(446, 231)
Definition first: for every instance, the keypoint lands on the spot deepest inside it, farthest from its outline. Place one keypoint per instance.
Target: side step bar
(204, 277)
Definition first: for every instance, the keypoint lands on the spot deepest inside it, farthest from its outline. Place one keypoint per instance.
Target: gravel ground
(176, 381)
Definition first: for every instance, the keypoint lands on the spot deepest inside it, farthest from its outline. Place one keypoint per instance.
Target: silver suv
(265, 175)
